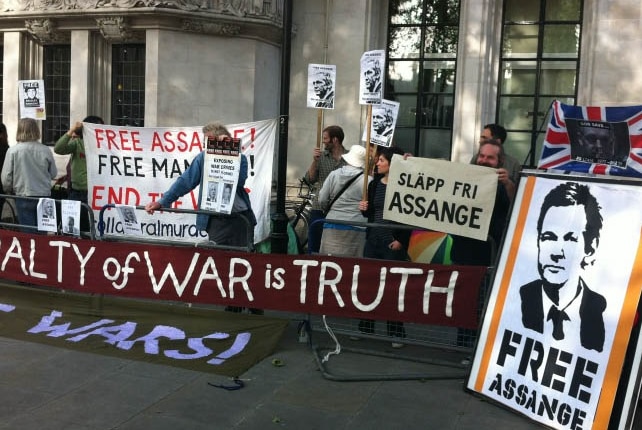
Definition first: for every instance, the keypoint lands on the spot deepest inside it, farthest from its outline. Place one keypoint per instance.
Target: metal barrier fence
(10, 220)
(444, 337)
(428, 336)
(249, 247)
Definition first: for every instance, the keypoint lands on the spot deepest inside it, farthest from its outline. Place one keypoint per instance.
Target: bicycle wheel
(299, 222)
(8, 214)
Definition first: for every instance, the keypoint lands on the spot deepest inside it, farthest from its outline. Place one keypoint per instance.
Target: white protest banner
(222, 165)
(135, 165)
(32, 99)
(563, 302)
(439, 195)
(384, 121)
(372, 72)
(321, 84)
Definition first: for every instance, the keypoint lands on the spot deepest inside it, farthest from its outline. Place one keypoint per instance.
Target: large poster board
(135, 165)
(439, 195)
(563, 301)
(594, 139)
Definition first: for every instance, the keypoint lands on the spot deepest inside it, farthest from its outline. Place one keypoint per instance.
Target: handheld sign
(220, 174)
(321, 85)
(371, 82)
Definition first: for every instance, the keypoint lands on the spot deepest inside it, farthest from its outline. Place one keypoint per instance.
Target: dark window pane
(520, 10)
(128, 85)
(405, 42)
(520, 41)
(57, 64)
(403, 77)
(558, 77)
(444, 12)
(563, 10)
(561, 41)
(519, 77)
(441, 40)
(439, 77)
(405, 12)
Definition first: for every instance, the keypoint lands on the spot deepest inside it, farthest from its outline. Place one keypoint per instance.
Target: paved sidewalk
(43, 387)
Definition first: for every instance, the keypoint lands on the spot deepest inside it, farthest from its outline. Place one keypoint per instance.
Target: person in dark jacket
(385, 243)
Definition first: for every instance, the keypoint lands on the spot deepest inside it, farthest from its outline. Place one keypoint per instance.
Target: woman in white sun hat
(340, 197)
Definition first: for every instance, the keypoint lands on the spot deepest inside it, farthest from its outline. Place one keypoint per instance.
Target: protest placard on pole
(370, 93)
(454, 198)
(372, 73)
(321, 85)
(384, 121)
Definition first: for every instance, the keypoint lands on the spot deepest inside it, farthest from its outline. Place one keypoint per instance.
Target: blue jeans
(27, 214)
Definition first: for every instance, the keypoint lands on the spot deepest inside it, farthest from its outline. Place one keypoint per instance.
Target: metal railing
(206, 243)
(14, 223)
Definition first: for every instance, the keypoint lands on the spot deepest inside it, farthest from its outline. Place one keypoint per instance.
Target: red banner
(347, 287)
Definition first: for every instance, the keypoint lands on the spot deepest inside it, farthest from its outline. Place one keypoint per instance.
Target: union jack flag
(571, 127)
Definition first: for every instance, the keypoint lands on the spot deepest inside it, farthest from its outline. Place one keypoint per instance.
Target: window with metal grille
(128, 85)
(57, 77)
(540, 58)
(421, 69)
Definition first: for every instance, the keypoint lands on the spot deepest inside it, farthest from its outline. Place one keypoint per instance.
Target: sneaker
(397, 345)
(465, 361)
(234, 309)
(355, 338)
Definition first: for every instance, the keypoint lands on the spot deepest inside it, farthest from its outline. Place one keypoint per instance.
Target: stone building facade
(221, 59)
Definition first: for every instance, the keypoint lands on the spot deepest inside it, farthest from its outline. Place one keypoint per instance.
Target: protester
(340, 196)
(510, 164)
(72, 143)
(386, 243)
(28, 170)
(4, 146)
(468, 251)
(223, 230)
(322, 164)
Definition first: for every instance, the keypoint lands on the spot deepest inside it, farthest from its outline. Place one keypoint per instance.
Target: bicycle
(298, 214)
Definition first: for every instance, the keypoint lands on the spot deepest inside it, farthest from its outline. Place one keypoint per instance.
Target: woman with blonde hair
(28, 170)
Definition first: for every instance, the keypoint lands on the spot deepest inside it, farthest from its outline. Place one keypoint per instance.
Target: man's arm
(312, 175)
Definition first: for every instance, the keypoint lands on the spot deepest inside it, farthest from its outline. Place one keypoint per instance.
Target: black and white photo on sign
(226, 199)
(223, 170)
(599, 142)
(212, 191)
(371, 80)
(32, 99)
(129, 219)
(321, 85)
(70, 214)
(565, 287)
(46, 213)
(384, 121)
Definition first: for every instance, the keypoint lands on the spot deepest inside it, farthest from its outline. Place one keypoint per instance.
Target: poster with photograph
(129, 219)
(563, 301)
(70, 214)
(599, 140)
(321, 85)
(32, 99)
(384, 121)
(46, 213)
(371, 78)
(222, 166)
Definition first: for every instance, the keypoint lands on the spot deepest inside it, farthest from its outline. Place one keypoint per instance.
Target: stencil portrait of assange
(560, 303)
